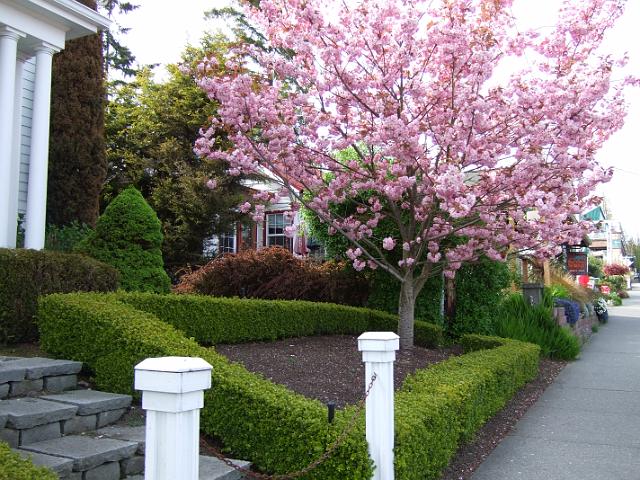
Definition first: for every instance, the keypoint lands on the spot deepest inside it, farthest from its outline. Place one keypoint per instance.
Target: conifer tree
(128, 237)
(77, 159)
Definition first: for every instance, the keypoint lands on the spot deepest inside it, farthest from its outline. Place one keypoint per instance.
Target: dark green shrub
(128, 236)
(27, 274)
(385, 292)
(65, 239)
(479, 291)
(274, 273)
(212, 320)
(280, 431)
(14, 467)
(535, 324)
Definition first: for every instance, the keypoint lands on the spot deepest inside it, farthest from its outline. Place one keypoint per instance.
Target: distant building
(270, 231)
(608, 241)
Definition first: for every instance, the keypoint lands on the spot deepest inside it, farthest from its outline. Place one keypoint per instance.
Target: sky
(160, 29)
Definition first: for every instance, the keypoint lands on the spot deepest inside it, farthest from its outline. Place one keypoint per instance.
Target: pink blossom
(388, 243)
(211, 184)
(452, 159)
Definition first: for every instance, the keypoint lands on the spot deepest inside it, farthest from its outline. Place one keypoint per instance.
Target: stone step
(91, 457)
(95, 409)
(29, 376)
(31, 420)
(61, 466)
(95, 455)
(212, 469)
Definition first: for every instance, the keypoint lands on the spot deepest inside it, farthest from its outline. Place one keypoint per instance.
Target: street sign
(577, 263)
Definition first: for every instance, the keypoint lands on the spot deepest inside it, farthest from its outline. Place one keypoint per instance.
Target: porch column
(14, 178)
(38, 162)
(8, 51)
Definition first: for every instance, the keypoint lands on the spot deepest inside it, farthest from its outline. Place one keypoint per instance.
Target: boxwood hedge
(278, 430)
(212, 320)
(14, 467)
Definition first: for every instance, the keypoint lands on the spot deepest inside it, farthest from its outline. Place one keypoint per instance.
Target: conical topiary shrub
(128, 236)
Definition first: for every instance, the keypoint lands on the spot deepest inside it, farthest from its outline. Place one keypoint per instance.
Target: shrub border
(281, 431)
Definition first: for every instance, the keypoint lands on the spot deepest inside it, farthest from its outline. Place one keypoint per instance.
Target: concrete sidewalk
(586, 426)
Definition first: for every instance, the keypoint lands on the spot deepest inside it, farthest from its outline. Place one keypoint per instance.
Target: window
(227, 242)
(275, 231)
(248, 240)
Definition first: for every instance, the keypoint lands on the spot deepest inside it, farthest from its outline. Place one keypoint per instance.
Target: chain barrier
(316, 463)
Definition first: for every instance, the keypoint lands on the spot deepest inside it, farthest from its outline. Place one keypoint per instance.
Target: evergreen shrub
(280, 431)
(27, 274)
(128, 236)
(14, 467)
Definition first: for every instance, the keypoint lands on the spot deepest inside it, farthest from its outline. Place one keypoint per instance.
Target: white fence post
(172, 394)
(378, 353)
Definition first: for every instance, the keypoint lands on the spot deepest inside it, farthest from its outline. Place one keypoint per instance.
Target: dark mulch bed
(328, 368)
(338, 375)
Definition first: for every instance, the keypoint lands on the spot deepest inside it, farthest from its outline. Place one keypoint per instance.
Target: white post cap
(378, 342)
(173, 375)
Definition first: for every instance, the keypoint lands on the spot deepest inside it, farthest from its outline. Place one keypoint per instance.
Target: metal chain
(288, 476)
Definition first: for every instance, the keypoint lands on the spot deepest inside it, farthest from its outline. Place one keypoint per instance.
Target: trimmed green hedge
(441, 407)
(14, 467)
(27, 274)
(212, 320)
(278, 430)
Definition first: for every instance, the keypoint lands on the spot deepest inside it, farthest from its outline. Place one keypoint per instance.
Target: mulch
(327, 368)
(330, 369)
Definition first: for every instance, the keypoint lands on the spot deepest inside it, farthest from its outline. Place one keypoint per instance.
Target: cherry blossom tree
(464, 161)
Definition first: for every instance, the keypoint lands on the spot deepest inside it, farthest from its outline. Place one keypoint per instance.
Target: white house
(31, 31)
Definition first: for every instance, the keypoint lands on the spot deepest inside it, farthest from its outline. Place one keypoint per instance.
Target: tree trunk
(406, 307)
(450, 303)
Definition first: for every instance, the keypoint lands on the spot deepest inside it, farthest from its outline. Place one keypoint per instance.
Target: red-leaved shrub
(616, 269)
(275, 274)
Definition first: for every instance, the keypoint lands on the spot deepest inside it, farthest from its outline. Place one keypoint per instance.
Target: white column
(379, 352)
(8, 53)
(14, 177)
(172, 394)
(38, 161)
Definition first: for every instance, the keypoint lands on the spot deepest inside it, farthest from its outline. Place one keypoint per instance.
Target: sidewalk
(586, 426)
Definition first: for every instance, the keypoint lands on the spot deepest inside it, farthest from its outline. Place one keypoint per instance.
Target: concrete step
(29, 376)
(91, 458)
